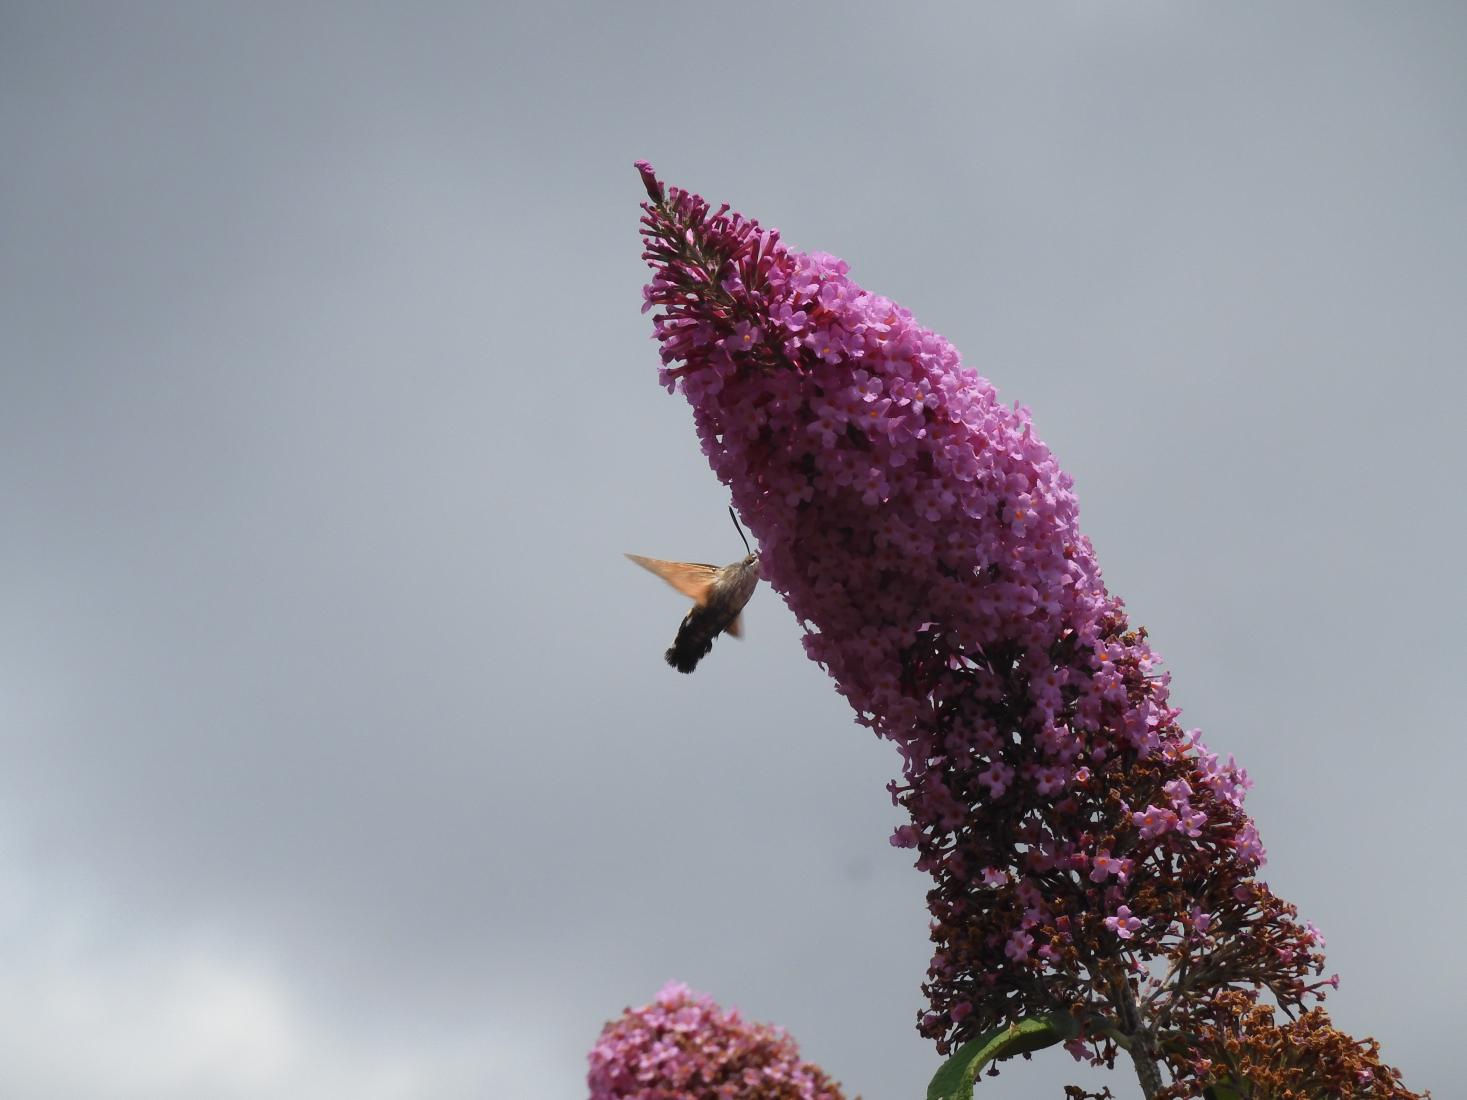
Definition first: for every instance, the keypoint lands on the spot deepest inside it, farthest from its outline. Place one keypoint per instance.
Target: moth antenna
(737, 528)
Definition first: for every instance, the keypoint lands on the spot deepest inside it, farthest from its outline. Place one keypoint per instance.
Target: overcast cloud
(337, 755)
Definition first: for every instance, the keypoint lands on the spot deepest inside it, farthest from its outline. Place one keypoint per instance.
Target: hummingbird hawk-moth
(719, 594)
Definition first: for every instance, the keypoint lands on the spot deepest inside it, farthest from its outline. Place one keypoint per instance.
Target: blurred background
(337, 754)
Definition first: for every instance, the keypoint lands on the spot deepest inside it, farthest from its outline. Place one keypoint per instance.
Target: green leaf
(954, 1081)
(1222, 1090)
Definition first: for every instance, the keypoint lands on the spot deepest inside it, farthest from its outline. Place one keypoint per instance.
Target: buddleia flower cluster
(682, 1046)
(1087, 853)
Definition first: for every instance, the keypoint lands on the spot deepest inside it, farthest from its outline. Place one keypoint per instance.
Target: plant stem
(1142, 1047)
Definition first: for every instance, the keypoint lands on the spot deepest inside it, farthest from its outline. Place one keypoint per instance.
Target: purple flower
(1019, 945)
(1191, 821)
(1154, 821)
(905, 836)
(1248, 846)
(1123, 924)
(1104, 865)
(684, 1045)
(743, 337)
(929, 543)
(1050, 781)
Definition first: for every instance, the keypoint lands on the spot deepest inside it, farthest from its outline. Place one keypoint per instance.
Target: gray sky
(337, 755)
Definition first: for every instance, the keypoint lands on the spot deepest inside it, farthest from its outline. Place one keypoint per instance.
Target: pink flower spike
(929, 544)
(655, 1052)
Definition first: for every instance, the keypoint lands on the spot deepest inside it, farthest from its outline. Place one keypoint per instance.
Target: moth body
(719, 594)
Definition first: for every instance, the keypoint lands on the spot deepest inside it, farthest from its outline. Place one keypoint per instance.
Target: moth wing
(736, 628)
(691, 578)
